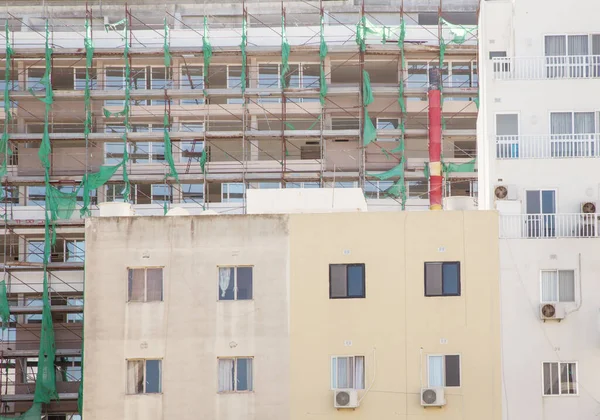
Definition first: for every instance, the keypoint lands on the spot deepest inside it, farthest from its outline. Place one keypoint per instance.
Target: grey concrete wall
(190, 328)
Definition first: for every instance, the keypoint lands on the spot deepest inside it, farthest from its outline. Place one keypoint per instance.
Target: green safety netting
(285, 54)
(89, 56)
(4, 308)
(364, 27)
(400, 147)
(203, 159)
(206, 52)
(397, 170)
(369, 132)
(61, 204)
(34, 413)
(458, 167)
(460, 32)
(166, 45)
(114, 26)
(45, 385)
(96, 180)
(126, 107)
(169, 149)
(244, 58)
(398, 189)
(322, 55)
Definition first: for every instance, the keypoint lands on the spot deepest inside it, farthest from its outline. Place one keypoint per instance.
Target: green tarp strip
(206, 52)
(322, 55)
(400, 147)
(114, 26)
(285, 54)
(4, 308)
(166, 45)
(243, 45)
(96, 180)
(367, 92)
(169, 149)
(460, 32)
(459, 167)
(34, 413)
(369, 131)
(203, 159)
(61, 205)
(397, 170)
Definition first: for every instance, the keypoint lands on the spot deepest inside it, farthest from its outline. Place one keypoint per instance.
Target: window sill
(234, 392)
(235, 300)
(560, 395)
(144, 394)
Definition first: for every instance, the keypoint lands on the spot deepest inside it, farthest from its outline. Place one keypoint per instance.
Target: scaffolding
(194, 113)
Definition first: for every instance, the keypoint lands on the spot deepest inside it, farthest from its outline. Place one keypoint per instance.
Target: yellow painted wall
(395, 326)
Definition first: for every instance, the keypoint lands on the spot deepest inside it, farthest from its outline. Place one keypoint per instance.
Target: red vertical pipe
(435, 142)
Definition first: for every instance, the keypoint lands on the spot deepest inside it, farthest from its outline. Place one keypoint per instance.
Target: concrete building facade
(297, 336)
(538, 154)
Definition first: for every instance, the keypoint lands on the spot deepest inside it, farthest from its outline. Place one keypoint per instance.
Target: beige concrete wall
(395, 326)
(190, 328)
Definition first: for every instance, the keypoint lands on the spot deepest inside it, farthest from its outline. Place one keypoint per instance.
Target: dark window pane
(244, 283)
(433, 279)
(152, 376)
(356, 281)
(337, 281)
(547, 379)
(450, 275)
(452, 370)
(554, 378)
(244, 374)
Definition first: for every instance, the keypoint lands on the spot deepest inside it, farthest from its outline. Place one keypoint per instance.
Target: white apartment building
(538, 146)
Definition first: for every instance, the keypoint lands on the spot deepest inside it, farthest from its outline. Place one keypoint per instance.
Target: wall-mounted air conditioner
(552, 311)
(505, 192)
(432, 397)
(588, 207)
(345, 398)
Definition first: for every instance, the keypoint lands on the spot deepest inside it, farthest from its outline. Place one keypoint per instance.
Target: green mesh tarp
(94, 181)
(322, 55)
(369, 132)
(459, 167)
(364, 28)
(203, 159)
(243, 45)
(400, 147)
(397, 170)
(206, 53)
(169, 149)
(166, 45)
(124, 113)
(45, 148)
(61, 204)
(45, 386)
(285, 54)
(460, 32)
(4, 308)
(34, 413)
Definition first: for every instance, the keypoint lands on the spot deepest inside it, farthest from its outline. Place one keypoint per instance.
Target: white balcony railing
(547, 226)
(552, 67)
(548, 146)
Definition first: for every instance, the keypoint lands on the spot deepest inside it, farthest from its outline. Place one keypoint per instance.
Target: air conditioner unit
(432, 397)
(552, 311)
(345, 398)
(505, 192)
(588, 207)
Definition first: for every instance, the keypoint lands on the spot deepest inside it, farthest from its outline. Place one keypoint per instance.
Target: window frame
(235, 282)
(162, 294)
(160, 376)
(235, 373)
(458, 294)
(576, 383)
(364, 281)
(557, 285)
(443, 356)
(346, 356)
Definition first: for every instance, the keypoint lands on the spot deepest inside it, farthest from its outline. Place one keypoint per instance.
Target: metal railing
(549, 226)
(548, 146)
(550, 67)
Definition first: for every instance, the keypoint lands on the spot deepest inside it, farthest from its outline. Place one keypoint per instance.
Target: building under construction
(190, 105)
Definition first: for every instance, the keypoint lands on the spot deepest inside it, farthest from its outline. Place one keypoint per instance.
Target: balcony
(548, 146)
(552, 67)
(549, 226)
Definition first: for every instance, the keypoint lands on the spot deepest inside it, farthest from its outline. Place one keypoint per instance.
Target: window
(233, 193)
(558, 286)
(192, 193)
(346, 281)
(144, 377)
(572, 134)
(68, 369)
(145, 285)
(192, 77)
(35, 251)
(32, 302)
(560, 378)
(443, 371)
(377, 189)
(29, 367)
(235, 374)
(75, 317)
(235, 283)
(348, 372)
(442, 279)
(75, 251)
(36, 196)
(507, 136)
(540, 206)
